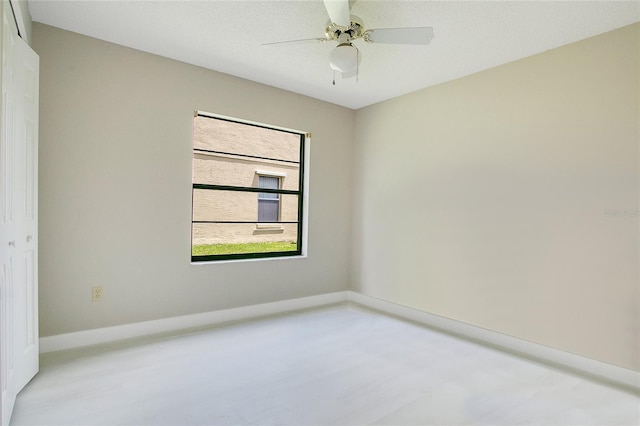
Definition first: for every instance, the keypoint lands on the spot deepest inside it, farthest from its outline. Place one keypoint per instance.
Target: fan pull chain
(357, 64)
(334, 77)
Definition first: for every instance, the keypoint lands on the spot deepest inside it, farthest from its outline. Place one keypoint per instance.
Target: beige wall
(115, 187)
(488, 199)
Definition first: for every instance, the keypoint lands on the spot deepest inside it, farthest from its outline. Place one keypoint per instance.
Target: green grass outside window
(213, 249)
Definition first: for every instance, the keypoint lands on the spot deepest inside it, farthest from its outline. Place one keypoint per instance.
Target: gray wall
(487, 199)
(115, 187)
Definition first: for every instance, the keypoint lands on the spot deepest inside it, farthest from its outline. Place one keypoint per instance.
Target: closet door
(8, 222)
(26, 209)
(18, 215)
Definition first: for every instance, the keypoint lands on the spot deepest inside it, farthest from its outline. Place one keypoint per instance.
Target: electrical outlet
(96, 294)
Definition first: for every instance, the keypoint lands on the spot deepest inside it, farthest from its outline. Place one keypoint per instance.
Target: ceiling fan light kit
(344, 29)
(344, 58)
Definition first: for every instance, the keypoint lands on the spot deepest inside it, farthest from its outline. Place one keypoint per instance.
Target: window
(247, 190)
(268, 202)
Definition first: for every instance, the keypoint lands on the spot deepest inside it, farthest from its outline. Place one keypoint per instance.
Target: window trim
(302, 233)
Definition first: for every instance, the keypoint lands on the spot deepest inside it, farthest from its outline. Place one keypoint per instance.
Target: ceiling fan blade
(338, 11)
(294, 42)
(416, 35)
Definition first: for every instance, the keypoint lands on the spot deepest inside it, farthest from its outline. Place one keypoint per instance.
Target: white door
(8, 229)
(18, 215)
(26, 207)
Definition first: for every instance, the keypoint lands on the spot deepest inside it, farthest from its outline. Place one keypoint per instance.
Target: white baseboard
(584, 365)
(120, 332)
(536, 351)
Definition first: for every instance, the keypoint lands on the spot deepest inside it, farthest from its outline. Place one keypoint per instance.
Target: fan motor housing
(334, 31)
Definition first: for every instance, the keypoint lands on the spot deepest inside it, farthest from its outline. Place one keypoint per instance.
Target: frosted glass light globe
(344, 58)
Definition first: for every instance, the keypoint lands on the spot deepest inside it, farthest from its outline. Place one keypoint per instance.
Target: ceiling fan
(344, 28)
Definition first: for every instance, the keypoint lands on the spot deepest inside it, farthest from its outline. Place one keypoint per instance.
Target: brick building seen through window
(247, 190)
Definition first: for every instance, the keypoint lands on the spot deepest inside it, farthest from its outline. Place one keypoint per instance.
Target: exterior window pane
(240, 206)
(268, 202)
(212, 239)
(268, 210)
(235, 138)
(235, 170)
(269, 182)
(233, 162)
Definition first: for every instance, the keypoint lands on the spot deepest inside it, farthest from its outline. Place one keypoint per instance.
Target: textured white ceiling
(226, 36)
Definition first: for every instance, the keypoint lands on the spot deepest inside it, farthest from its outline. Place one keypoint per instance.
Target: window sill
(269, 227)
(259, 259)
